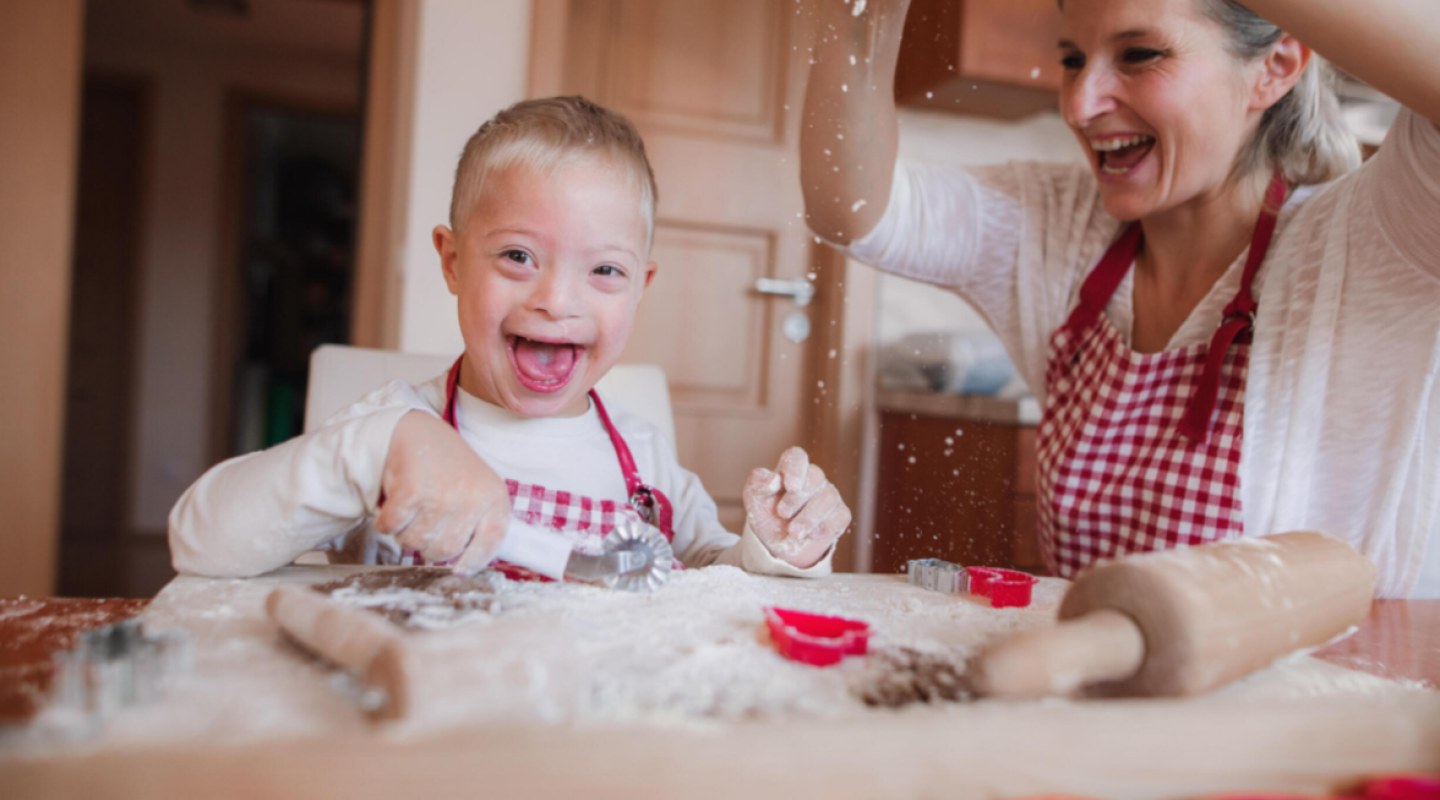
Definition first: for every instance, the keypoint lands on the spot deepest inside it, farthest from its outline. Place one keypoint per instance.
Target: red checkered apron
(1142, 452)
(565, 511)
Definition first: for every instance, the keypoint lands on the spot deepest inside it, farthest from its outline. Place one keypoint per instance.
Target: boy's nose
(556, 295)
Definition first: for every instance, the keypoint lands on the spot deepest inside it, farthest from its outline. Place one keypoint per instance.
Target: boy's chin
(571, 401)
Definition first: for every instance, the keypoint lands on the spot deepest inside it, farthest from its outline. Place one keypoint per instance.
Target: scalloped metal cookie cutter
(637, 537)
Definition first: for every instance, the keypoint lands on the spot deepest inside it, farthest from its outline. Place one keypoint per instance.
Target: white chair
(340, 375)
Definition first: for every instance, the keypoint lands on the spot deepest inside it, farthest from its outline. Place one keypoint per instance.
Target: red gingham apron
(1140, 452)
(564, 511)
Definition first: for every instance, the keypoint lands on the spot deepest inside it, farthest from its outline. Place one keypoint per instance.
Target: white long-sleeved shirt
(1342, 414)
(257, 512)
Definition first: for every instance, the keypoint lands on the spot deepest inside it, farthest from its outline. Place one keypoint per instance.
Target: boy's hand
(440, 497)
(794, 511)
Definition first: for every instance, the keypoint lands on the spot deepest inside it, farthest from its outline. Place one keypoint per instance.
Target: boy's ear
(1279, 72)
(650, 270)
(448, 248)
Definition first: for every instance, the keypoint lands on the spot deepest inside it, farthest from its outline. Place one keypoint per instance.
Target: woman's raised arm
(848, 138)
(1393, 45)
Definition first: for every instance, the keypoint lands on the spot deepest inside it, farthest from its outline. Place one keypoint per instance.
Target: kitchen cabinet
(994, 58)
(956, 481)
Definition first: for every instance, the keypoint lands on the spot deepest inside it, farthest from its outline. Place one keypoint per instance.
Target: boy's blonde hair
(547, 133)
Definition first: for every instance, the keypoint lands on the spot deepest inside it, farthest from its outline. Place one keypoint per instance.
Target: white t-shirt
(1342, 416)
(257, 512)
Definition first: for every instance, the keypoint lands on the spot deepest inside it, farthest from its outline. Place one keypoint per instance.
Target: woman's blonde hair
(547, 133)
(1303, 134)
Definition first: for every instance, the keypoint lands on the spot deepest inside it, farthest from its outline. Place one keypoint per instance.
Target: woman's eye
(1139, 55)
(607, 270)
(518, 256)
(1072, 61)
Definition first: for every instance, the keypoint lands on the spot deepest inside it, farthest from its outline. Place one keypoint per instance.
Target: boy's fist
(794, 511)
(440, 497)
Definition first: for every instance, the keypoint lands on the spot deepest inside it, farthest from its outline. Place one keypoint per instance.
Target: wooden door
(100, 369)
(715, 87)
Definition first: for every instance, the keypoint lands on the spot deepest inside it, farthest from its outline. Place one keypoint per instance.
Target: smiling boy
(547, 253)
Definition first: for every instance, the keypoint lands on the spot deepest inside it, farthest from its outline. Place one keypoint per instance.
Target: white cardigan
(1342, 416)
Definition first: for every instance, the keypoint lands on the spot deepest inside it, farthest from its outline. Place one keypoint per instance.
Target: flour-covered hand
(440, 497)
(794, 510)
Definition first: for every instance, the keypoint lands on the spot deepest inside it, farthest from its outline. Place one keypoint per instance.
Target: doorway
(214, 246)
(294, 257)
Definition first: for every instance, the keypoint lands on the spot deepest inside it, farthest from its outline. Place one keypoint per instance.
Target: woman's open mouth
(1119, 155)
(543, 366)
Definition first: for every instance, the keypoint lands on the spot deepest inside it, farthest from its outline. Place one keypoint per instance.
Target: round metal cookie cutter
(635, 535)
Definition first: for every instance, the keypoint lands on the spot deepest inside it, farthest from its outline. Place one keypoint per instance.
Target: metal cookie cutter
(939, 576)
(119, 665)
(1006, 588)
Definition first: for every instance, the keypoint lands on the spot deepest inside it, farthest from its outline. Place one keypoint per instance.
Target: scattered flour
(693, 654)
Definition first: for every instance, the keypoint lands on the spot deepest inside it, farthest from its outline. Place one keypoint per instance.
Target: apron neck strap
(1239, 317)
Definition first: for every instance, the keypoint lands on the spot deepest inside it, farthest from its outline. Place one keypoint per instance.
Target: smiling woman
(1232, 329)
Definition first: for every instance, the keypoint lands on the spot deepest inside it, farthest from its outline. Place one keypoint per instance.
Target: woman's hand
(849, 137)
(439, 497)
(794, 511)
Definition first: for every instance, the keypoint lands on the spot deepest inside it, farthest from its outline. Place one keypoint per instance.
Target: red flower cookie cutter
(815, 639)
(1006, 588)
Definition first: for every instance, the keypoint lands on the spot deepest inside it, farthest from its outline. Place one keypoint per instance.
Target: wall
(472, 60)
(180, 252)
(907, 306)
(40, 98)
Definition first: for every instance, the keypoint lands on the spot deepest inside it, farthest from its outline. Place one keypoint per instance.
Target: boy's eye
(608, 270)
(518, 256)
(1139, 55)
(1072, 61)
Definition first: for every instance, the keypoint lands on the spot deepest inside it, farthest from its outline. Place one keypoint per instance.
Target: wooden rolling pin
(509, 669)
(1183, 622)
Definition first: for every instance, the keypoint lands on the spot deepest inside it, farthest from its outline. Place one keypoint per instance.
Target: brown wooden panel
(1027, 529)
(715, 68)
(944, 492)
(1025, 467)
(1011, 41)
(980, 57)
(700, 319)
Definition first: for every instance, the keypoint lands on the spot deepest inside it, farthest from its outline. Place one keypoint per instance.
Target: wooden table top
(1399, 640)
(33, 628)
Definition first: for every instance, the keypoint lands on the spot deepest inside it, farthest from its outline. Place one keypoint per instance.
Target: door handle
(802, 292)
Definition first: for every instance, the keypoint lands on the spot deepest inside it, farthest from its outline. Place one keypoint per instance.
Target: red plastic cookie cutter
(815, 639)
(1006, 588)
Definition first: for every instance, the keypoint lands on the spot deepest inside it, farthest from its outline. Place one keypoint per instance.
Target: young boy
(547, 252)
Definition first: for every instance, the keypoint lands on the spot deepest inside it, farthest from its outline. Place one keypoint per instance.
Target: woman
(1233, 330)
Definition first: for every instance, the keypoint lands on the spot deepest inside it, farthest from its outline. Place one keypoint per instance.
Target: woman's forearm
(848, 139)
(1393, 45)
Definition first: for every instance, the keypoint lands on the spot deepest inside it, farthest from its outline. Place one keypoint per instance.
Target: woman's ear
(448, 248)
(1279, 72)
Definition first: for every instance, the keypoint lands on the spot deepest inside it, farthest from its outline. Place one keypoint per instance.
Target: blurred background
(194, 194)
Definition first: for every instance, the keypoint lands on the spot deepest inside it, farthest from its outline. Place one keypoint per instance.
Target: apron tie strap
(1239, 319)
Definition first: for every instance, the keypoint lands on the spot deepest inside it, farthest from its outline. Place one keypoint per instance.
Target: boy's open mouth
(543, 366)
(1119, 156)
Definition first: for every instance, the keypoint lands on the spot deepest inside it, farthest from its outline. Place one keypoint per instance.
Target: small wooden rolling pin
(509, 669)
(1183, 622)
